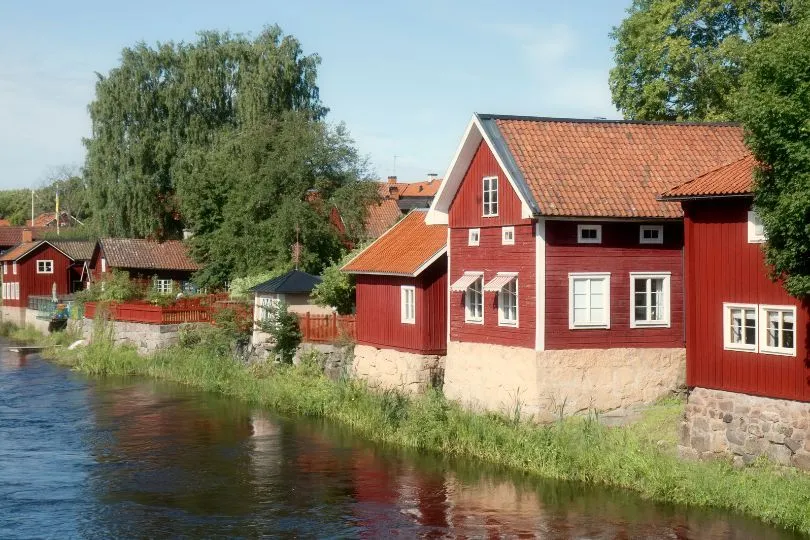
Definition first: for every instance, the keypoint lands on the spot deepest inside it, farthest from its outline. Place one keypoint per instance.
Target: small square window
(508, 236)
(777, 330)
(589, 300)
(740, 327)
(649, 299)
(756, 230)
(473, 237)
(163, 286)
(45, 267)
(589, 234)
(651, 234)
(408, 304)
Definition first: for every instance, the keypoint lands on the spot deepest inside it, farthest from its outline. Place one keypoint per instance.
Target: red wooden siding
(35, 284)
(619, 253)
(491, 257)
(379, 316)
(721, 266)
(467, 209)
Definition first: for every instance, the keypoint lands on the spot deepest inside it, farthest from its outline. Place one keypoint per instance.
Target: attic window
(45, 267)
(490, 196)
(589, 234)
(756, 230)
(474, 237)
(508, 236)
(651, 234)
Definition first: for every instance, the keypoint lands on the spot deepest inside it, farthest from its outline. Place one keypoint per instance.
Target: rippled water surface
(130, 458)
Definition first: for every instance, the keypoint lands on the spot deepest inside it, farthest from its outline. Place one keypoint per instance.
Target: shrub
(282, 325)
(114, 287)
(337, 288)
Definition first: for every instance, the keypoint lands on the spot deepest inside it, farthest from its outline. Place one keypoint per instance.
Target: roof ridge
(672, 123)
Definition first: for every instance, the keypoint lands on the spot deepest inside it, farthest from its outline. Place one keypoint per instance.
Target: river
(116, 458)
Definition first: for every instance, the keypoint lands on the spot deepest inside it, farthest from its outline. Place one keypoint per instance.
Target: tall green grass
(640, 457)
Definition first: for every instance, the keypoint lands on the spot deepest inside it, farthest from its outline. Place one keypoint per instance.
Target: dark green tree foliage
(681, 59)
(15, 205)
(774, 106)
(258, 191)
(177, 99)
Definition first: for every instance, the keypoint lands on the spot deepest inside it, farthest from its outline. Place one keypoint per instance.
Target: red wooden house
(745, 336)
(42, 268)
(401, 282)
(565, 271)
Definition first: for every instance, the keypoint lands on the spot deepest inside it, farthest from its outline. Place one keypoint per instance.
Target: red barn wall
(35, 284)
(491, 257)
(379, 311)
(721, 266)
(619, 253)
(467, 207)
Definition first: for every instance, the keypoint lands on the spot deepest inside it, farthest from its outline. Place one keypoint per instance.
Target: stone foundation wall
(147, 338)
(718, 423)
(545, 384)
(390, 369)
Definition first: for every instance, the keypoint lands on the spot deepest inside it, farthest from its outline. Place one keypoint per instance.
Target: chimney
(393, 193)
(27, 236)
(392, 179)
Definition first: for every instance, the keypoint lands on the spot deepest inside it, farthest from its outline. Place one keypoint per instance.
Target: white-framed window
(408, 304)
(508, 236)
(5, 268)
(589, 234)
(163, 286)
(11, 291)
(740, 327)
(474, 302)
(103, 265)
(777, 330)
(589, 300)
(651, 234)
(756, 230)
(649, 299)
(14, 268)
(473, 237)
(45, 267)
(490, 188)
(508, 304)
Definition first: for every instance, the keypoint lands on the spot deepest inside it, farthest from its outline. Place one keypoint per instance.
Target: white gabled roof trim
(475, 133)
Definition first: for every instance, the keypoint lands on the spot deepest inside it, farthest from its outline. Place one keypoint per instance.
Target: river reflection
(132, 458)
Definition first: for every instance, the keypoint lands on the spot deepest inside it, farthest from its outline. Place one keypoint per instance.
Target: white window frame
(589, 227)
(763, 330)
(103, 265)
(486, 187)
(43, 268)
(161, 289)
(755, 237)
(657, 228)
(502, 320)
(5, 268)
(574, 276)
(14, 268)
(404, 292)
(727, 343)
(474, 237)
(468, 318)
(667, 308)
(508, 236)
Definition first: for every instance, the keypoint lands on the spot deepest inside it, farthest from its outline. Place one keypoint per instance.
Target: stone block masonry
(147, 338)
(718, 423)
(406, 372)
(544, 385)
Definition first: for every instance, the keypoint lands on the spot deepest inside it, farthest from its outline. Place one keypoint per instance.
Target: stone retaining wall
(718, 423)
(546, 384)
(147, 338)
(390, 369)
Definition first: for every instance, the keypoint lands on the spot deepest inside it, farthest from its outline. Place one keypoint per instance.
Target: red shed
(744, 332)
(402, 288)
(34, 268)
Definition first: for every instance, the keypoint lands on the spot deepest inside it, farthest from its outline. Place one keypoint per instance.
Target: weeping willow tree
(166, 101)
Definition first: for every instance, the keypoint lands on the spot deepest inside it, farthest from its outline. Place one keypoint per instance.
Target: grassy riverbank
(640, 457)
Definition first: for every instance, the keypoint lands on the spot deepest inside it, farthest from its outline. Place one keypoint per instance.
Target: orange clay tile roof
(19, 251)
(612, 168)
(147, 255)
(11, 236)
(735, 178)
(380, 216)
(403, 249)
(428, 188)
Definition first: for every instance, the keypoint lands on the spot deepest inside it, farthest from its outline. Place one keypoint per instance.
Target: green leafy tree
(682, 59)
(774, 106)
(176, 99)
(257, 192)
(282, 325)
(337, 289)
(15, 205)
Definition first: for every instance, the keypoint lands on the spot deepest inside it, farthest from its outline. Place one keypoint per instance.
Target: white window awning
(501, 280)
(466, 279)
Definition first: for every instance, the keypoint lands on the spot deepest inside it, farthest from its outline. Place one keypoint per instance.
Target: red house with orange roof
(401, 283)
(746, 338)
(565, 271)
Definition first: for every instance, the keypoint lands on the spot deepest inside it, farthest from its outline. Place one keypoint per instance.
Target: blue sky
(405, 77)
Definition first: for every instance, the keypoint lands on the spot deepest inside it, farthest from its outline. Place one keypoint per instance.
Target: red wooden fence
(326, 328)
(183, 310)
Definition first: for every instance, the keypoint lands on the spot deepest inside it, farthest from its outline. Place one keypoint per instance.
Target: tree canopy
(774, 106)
(682, 59)
(164, 102)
